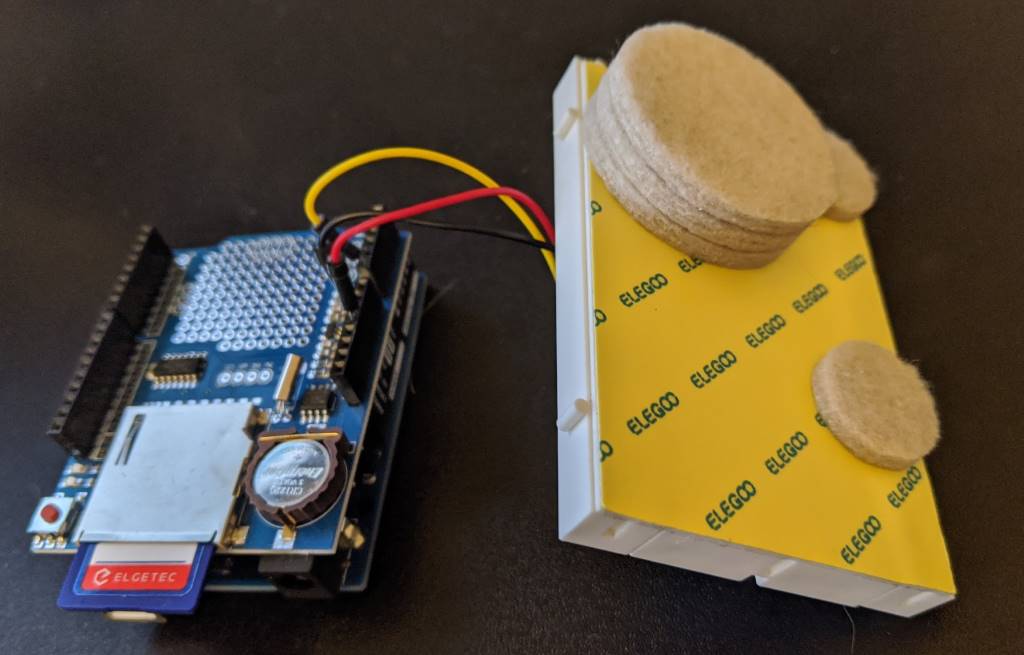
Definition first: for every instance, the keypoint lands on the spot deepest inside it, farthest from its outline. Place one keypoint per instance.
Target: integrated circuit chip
(178, 370)
(317, 404)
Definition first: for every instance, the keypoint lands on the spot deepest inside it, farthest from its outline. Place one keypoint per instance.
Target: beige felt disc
(671, 196)
(721, 126)
(651, 218)
(876, 404)
(855, 181)
(675, 208)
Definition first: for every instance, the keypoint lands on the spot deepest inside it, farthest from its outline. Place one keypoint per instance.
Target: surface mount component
(317, 404)
(181, 370)
(53, 515)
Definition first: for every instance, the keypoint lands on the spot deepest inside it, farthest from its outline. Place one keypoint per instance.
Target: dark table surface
(211, 119)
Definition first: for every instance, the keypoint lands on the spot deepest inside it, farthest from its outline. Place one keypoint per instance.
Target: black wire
(328, 226)
(485, 231)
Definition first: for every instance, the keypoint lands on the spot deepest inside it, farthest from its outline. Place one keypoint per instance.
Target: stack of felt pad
(714, 152)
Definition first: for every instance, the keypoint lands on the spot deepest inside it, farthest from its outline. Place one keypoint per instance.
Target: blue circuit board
(246, 305)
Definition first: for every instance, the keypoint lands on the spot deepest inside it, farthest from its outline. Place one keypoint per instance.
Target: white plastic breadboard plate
(582, 517)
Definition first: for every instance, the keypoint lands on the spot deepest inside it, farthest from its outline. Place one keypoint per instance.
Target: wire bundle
(511, 197)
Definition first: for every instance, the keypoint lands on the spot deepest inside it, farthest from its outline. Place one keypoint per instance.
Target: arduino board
(232, 422)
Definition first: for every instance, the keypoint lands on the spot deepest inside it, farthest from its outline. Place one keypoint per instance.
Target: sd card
(163, 578)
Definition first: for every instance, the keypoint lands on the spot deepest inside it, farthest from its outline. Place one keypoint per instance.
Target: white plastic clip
(573, 415)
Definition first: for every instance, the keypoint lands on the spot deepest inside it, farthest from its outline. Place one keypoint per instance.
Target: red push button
(50, 513)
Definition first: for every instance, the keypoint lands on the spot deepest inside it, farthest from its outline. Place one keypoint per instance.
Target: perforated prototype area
(254, 294)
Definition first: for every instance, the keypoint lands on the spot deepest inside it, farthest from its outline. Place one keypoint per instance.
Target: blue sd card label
(164, 578)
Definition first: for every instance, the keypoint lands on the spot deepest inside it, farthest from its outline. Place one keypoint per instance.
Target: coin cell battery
(296, 481)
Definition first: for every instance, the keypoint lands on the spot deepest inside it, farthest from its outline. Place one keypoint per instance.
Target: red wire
(440, 203)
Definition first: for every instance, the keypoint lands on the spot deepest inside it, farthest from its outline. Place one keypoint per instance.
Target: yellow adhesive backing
(707, 418)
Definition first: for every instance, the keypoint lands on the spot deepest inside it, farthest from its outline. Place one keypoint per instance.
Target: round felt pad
(730, 134)
(854, 180)
(876, 404)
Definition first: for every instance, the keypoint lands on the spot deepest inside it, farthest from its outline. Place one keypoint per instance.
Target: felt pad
(619, 182)
(876, 404)
(676, 208)
(854, 180)
(726, 131)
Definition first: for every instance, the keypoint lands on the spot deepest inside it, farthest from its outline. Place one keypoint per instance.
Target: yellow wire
(370, 156)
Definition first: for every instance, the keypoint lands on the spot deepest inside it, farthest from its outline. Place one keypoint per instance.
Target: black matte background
(209, 119)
